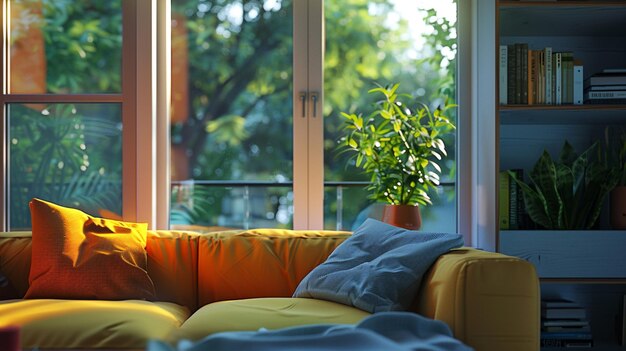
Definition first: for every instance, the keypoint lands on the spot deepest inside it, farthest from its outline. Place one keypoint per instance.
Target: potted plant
(568, 193)
(400, 146)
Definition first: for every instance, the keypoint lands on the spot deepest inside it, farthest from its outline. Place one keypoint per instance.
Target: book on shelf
(532, 77)
(559, 303)
(567, 329)
(503, 76)
(511, 74)
(567, 77)
(524, 74)
(547, 74)
(504, 200)
(621, 333)
(566, 335)
(614, 70)
(564, 322)
(606, 87)
(516, 200)
(567, 343)
(564, 313)
(606, 79)
(577, 84)
(511, 200)
(605, 94)
(606, 101)
(557, 65)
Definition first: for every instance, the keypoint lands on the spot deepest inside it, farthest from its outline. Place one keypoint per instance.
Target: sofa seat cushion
(268, 313)
(86, 324)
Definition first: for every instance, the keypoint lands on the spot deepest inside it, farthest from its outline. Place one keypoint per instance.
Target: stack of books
(606, 87)
(564, 324)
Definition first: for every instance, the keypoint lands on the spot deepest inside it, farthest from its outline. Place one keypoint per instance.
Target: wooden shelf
(564, 254)
(562, 114)
(562, 19)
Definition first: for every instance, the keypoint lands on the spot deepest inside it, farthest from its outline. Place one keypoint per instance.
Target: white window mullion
(4, 172)
(164, 59)
(300, 128)
(139, 111)
(316, 115)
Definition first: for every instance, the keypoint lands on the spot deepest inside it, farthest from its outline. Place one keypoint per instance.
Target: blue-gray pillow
(379, 268)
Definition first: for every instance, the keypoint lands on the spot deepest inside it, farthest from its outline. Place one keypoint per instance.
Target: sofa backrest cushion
(259, 263)
(15, 253)
(172, 264)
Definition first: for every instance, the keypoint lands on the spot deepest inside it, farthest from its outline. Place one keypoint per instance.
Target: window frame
(145, 100)
(138, 105)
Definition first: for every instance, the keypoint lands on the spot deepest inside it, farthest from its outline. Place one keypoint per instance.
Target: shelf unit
(585, 266)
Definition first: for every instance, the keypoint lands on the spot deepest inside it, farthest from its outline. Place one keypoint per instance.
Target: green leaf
(352, 143)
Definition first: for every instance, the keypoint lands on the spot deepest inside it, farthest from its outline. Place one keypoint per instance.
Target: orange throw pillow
(77, 256)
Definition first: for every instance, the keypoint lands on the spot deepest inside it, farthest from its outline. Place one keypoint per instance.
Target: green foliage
(83, 42)
(67, 154)
(400, 146)
(615, 153)
(193, 204)
(567, 194)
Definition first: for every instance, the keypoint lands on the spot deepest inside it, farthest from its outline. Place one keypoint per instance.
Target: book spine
(608, 87)
(567, 335)
(541, 83)
(513, 196)
(606, 80)
(511, 78)
(569, 78)
(578, 85)
(606, 101)
(532, 81)
(524, 55)
(548, 74)
(607, 94)
(567, 343)
(518, 73)
(503, 203)
(521, 206)
(503, 79)
(622, 335)
(565, 313)
(557, 79)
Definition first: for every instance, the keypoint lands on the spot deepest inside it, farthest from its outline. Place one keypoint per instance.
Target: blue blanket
(388, 331)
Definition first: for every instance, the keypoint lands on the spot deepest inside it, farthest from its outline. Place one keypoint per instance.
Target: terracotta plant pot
(618, 207)
(404, 216)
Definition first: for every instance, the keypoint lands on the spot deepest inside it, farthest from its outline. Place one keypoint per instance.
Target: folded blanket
(389, 331)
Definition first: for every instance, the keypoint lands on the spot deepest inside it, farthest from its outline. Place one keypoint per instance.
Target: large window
(250, 96)
(231, 113)
(256, 91)
(384, 42)
(69, 106)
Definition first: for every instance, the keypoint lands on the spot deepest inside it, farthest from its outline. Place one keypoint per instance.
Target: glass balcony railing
(223, 204)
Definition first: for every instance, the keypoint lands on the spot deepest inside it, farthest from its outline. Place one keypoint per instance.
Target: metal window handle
(314, 98)
(303, 100)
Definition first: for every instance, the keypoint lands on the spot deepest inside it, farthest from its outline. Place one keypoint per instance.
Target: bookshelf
(587, 266)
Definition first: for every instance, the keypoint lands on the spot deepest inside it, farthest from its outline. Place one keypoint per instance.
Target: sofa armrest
(490, 301)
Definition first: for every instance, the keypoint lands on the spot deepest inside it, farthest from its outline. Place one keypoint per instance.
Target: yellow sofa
(243, 280)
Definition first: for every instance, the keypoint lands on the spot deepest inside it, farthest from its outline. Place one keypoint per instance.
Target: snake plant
(567, 194)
